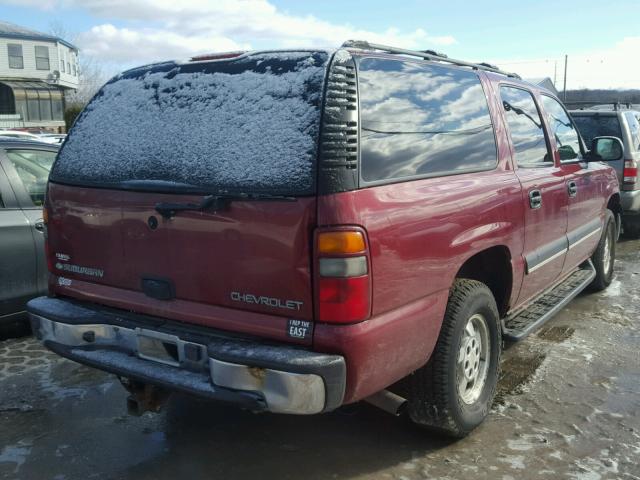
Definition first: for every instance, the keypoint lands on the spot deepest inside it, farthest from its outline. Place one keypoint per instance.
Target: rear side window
(33, 168)
(634, 129)
(422, 120)
(525, 127)
(596, 125)
(562, 129)
(248, 124)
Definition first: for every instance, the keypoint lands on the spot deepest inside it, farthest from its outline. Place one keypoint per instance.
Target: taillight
(630, 173)
(343, 292)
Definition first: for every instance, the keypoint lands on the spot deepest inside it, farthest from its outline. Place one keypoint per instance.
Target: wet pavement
(568, 407)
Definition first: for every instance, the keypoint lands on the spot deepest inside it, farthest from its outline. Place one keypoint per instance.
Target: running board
(520, 324)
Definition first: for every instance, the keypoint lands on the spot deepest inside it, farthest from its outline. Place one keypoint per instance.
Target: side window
(562, 129)
(33, 168)
(525, 127)
(634, 128)
(422, 120)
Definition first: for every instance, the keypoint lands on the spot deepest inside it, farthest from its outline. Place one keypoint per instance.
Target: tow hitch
(144, 397)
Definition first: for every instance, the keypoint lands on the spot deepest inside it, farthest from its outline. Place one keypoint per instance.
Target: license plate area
(158, 347)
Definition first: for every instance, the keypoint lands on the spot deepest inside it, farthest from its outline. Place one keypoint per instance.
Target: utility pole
(564, 91)
(555, 72)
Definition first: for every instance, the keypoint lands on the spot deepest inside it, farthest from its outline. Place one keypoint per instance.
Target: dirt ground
(568, 407)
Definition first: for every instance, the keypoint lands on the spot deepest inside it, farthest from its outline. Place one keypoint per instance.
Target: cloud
(126, 46)
(162, 29)
(612, 67)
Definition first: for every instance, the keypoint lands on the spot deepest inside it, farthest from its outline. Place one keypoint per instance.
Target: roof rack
(426, 54)
(586, 104)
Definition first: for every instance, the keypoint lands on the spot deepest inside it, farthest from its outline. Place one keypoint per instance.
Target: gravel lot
(568, 407)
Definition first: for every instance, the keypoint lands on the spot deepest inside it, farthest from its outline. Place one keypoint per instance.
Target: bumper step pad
(517, 326)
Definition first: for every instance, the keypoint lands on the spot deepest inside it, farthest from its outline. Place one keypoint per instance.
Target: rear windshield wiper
(215, 202)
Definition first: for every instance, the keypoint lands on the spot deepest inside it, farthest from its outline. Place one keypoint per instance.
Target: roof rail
(595, 103)
(426, 54)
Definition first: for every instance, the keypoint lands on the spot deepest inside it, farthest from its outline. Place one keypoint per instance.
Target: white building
(35, 70)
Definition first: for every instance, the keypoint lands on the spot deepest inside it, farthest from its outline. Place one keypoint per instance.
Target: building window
(42, 58)
(62, 66)
(68, 67)
(15, 55)
(75, 70)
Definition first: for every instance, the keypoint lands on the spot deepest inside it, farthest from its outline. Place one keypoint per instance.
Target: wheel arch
(615, 205)
(492, 266)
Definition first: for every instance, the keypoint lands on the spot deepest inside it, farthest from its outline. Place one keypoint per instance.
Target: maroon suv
(298, 230)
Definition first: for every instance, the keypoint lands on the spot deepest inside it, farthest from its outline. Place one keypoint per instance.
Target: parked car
(55, 138)
(19, 134)
(624, 124)
(332, 227)
(24, 168)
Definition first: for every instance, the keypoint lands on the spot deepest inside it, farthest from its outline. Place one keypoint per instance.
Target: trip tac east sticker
(300, 329)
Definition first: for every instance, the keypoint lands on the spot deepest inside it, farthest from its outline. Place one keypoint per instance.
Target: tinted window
(33, 169)
(562, 129)
(525, 127)
(634, 128)
(596, 125)
(244, 125)
(419, 119)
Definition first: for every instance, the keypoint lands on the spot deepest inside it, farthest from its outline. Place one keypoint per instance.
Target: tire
(632, 229)
(604, 257)
(437, 399)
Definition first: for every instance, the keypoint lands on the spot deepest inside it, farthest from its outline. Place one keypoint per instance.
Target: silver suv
(624, 123)
(24, 170)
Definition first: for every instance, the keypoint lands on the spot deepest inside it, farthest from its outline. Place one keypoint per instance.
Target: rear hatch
(184, 189)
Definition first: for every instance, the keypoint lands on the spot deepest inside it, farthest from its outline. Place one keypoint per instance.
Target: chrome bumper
(278, 379)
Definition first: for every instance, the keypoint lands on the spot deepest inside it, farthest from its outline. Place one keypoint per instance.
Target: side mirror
(606, 149)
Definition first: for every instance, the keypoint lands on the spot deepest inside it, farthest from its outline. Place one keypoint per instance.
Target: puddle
(556, 334)
(516, 372)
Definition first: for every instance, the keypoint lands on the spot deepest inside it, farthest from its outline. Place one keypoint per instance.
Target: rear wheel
(604, 257)
(453, 393)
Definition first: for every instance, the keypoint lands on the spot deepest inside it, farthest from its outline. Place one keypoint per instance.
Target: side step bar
(520, 324)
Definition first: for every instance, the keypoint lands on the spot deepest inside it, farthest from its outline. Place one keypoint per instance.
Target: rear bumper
(246, 372)
(630, 201)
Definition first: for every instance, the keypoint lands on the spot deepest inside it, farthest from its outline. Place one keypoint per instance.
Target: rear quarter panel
(420, 234)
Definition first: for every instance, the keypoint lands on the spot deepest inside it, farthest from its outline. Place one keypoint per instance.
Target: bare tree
(91, 73)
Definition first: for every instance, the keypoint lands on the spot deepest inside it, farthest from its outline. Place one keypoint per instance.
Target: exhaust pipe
(388, 401)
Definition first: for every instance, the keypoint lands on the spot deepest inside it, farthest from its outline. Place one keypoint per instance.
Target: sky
(601, 40)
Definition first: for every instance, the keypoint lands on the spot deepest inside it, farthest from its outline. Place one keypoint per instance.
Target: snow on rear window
(249, 124)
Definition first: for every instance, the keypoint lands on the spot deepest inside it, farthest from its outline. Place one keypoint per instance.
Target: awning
(30, 89)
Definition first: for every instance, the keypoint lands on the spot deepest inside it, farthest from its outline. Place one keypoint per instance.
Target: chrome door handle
(535, 199)
(39, 225)
(572, 187)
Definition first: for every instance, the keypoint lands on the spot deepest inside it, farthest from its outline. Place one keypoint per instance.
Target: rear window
(422, 120)
(634, 129)
(591, 126)
(244, 125)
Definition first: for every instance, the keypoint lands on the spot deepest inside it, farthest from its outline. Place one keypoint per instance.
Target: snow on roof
(11, 30)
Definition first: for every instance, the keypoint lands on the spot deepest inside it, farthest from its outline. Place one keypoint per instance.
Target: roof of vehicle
(19, 142)
(353, 46)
